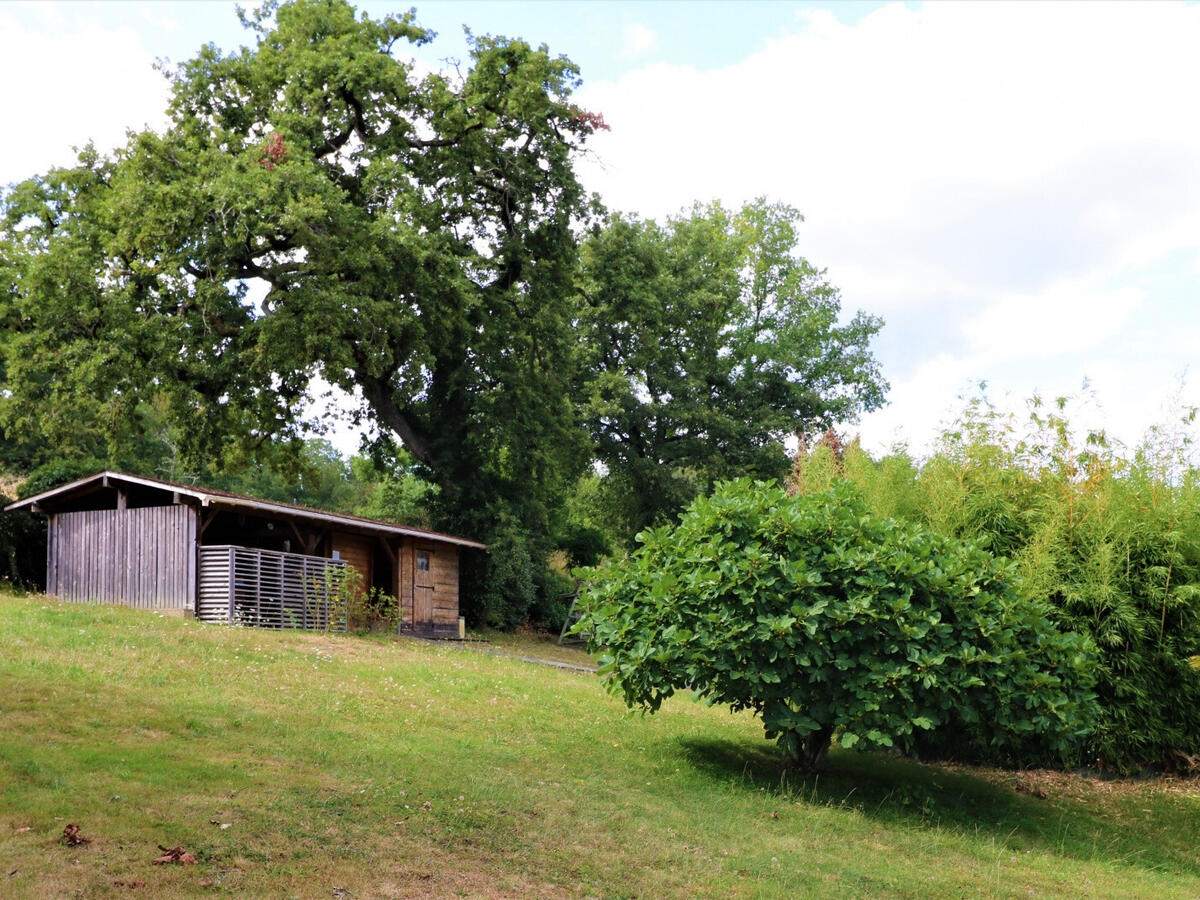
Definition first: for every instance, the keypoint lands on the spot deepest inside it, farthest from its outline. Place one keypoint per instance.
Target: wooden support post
(388, 549)
(296, 532)
(232, 581)
(122, 498)
(51, 562)
(192, 540)
(315, 537)
(206, 521)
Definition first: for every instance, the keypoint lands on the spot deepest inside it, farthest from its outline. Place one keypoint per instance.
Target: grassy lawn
(333, 766)
(531, 645)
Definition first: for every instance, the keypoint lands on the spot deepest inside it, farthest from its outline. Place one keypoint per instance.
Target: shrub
(364, 610)
(1108, 537)
(827, 620)
(22, 548)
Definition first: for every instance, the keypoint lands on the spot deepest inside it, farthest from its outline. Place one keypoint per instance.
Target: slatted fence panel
(269, 589)
(212, 596)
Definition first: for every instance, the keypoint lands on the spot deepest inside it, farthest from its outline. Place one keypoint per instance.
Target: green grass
(409, 769)
(531, 645)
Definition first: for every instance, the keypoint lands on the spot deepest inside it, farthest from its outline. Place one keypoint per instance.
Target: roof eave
(207, 499)
(348, 521)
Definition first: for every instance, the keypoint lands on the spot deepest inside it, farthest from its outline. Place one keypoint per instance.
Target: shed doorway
(422, 589)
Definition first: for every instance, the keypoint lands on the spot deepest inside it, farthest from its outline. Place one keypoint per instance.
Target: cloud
(68, 84)
(921, 402)
(1014, 187)
(1063, 318)
(639, 40)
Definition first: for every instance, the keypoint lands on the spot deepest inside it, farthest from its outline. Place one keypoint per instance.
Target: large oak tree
(319, 206)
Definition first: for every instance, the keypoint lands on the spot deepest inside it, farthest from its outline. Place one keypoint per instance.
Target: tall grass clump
(1108, 536)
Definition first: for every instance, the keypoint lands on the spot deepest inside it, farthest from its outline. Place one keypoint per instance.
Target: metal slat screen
(270, 589)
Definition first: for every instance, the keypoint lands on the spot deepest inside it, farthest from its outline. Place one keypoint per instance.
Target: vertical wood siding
(404, 560)
(356, 550)
(144, 558)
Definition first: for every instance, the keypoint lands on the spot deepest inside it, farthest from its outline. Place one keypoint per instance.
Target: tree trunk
(810, 753)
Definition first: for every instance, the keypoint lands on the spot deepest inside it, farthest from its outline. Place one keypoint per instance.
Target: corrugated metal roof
(211, 496)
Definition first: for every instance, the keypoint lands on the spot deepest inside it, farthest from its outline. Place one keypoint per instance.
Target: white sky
(1015, 188)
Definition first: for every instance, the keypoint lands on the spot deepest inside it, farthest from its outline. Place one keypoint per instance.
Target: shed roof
(213, 497)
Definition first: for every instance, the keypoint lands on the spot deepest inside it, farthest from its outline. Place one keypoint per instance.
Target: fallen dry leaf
(175, 855)
(24, 828)
(129, 884)
(1026, 786)
(74, 836)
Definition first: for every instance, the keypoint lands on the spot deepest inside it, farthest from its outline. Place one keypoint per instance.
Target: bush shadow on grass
(906, 793)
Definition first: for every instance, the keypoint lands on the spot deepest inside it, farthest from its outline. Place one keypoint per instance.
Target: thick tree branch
(335, 143)
(433, 143)
(379, 395)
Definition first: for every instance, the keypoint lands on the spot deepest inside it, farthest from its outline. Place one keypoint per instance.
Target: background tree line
(542, 375)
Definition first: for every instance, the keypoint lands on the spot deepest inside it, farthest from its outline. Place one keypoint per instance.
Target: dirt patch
(151, 734)
(1043, 783)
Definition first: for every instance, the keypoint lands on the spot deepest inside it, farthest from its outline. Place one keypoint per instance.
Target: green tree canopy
(318, 206)
(708, 341)
(824, 620)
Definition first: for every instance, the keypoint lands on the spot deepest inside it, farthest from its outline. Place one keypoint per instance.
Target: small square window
(422, 560)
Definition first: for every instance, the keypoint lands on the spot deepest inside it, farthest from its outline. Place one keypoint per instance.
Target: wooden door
(422, 589)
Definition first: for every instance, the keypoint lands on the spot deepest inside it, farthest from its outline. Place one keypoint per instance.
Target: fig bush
(831, 623)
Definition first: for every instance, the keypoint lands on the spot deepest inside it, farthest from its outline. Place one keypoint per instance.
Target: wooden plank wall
(356, 550)
(404, 587)
(144, 558)
(443, 566)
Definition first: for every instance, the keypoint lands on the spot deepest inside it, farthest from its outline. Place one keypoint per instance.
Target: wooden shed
(153, 544)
